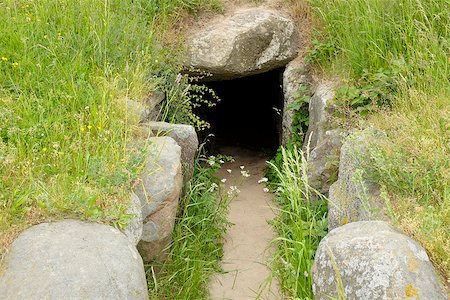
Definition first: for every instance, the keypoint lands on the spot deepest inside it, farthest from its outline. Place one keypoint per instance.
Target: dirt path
(247, 241)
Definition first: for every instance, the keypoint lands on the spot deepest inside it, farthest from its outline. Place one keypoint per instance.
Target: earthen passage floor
(247, 249)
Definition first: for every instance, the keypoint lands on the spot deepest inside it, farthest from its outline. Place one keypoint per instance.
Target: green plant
(370, 91)
(183, 96)
(197, 247)
(66, 70)
(300, 120)
(395, 54)
(300, 225)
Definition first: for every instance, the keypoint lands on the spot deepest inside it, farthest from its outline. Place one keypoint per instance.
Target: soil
(247, 249)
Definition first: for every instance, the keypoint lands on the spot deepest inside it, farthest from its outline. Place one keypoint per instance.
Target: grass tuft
(300, 225)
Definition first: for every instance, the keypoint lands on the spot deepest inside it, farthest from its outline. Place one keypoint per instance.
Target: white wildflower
(224, 180)
(245, 174)
(264, 179)
(229, 170)
(242, 167)
(221, 161)
(266, 190)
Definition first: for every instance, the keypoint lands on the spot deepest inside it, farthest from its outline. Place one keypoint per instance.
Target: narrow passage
(247, 246)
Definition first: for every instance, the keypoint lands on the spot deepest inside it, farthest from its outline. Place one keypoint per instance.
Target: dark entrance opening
(249, 113)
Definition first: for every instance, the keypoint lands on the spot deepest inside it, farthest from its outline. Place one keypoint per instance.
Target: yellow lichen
(411, 291)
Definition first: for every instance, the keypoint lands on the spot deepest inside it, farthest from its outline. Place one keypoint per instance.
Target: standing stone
(323, 161)
(186, 138)
(295, 76)
(251, 41)
(319, 114)
(72, 260)
(352, 197)
(371, 260)
(159, 192)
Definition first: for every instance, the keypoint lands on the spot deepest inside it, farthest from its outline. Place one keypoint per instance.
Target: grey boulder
(249, 42)
(159, 191)
(323, 161)
(72, 260)
(371, 260)
(353, 197)
(186, 138)
(319, 114)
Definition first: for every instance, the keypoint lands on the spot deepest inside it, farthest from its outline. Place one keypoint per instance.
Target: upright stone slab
(72, 260)
(159, 191)
(319, 114)
(352, 197)
(186, 138)
(371, 260)
(251, 41)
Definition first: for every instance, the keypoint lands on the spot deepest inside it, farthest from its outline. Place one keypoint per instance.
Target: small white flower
(233, 191)
(221, 161)
(266, 190)
(242, 167)
(245, 174)
(306, 274)
(211, 162)
(264, 179)
(229, 170)
(213, 187)
(224, 180)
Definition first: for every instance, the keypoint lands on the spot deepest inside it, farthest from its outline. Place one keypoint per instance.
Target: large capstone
(72, 260)
(251, 41)
(371, 260)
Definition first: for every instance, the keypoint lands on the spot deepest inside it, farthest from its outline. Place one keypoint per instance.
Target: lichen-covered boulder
(353, 197)
(251, 41)
(159, 191)
(296, 84)
(186, 138)
(371, 260)
(72, 260)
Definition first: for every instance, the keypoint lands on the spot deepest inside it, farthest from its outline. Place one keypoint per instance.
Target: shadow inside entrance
(249, 113)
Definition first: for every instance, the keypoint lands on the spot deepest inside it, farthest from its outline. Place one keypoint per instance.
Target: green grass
(197, 240)
(396, 54)
(66, 68)
(300, 225)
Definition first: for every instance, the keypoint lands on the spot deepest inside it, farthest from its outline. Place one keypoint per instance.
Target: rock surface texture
(72, 260)
(159, 192)
(186, 138)
(373, 261)
(296, 79)
(251, 41)
(324, 139)
(323, 161)
(352, 197)
(134, 229)
(319, 113)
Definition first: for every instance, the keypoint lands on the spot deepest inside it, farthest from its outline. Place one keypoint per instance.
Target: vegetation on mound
(66, 68)
(394, 59)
